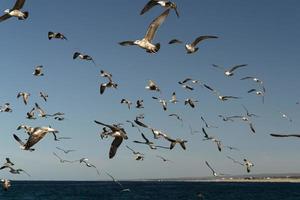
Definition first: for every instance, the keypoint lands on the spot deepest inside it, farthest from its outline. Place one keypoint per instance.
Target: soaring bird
(83, 57)
(229, 71)
(88, 164)
(259, 93)
(65, 151)
(139, 103)
(5, 108)
(109, 84)
(163, 3)
(126, 101)
(191, 48)
(138, 155)
(118, 133)
(152, 86)
(253, 79)
(56, 35)
(61, 160)
(191, 102)
(248, 165)
(173, 98)
(38, 71)
(35, 136)
(25, 96)
(163, 102)
(147, 142)
(175, 141)
(15, 12)
(220, 97)
(117, 182)
(146, 42)
(164, 159)
(44, 96)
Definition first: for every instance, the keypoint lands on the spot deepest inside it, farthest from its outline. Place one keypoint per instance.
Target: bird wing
(175, 41)
(114, 146)
(252, 90)
(236, 67)
(204, 132)
(247, 77)
(109, 126)
(19, 140)
(182, 144)
(57, 156)
(4, 17)
(201, 38)
(146, 139)
(155, 24)
(148, 6)
(285, 135)
(141, 123)
(18, 5)
(126, 43)
(252, 127)
(210, 167)
(218, 66)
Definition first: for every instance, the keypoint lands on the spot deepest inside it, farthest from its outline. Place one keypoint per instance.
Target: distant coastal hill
(288, 177)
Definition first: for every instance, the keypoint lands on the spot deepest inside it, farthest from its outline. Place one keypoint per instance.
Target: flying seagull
(88, 164)
(38, 71)
(220, 97)
(164, 159)
(235, 161)
(118, 133)
(109, 84)
(24, 95)
(190, 102)
(83, 57)
(126, 101)
(175, 141)
(138, 155)
(163, 102)
(229, 71)
(177, 117)
(15, 12)
(44, 96)
(8, 163)
(147, 142)
(5, 184)
(213, 171)
(163, 3)
(286, 116)
(117, 182)
(173, 98)
(248, 165)
(139, 104)
(146, 42)
(60, 159)
(191, 48)
(259, 93)
(253, 79)
(34, 137)
(5, 108)
(57, 35)
(66, 151)
(152, 86)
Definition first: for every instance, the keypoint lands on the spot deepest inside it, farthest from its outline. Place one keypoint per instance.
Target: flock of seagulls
(117, 131)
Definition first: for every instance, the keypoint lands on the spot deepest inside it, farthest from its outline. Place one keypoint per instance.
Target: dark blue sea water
(48, 190)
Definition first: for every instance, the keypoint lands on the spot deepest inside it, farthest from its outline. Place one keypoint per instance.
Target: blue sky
(264, 34)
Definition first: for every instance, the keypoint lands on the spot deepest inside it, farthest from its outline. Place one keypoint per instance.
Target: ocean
(81, 190)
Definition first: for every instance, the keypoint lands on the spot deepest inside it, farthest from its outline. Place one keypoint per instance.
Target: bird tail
(26, 14)
(157, 47)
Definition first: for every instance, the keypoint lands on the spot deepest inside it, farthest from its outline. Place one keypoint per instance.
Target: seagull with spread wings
(146, 42)
(229, 71)
(15, 12)
(118, 133)
(162, 3)
(192, 48)
(220, 97)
